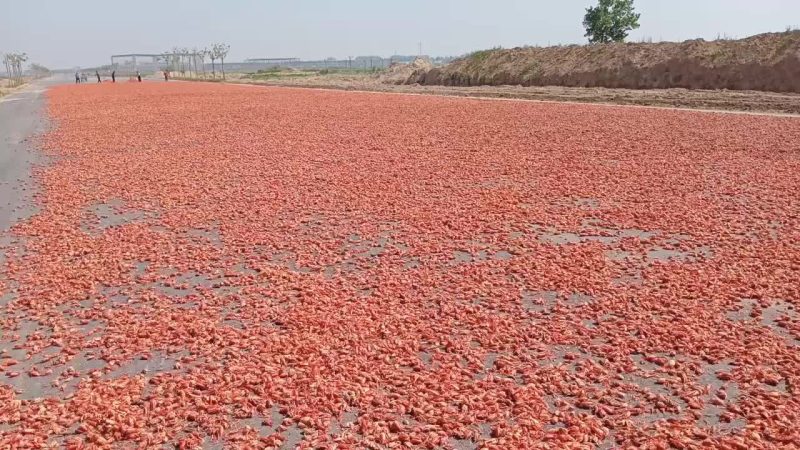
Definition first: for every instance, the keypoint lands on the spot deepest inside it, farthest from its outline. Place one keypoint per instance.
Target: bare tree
(13, 63)
(221, 51)
(203, 54)
(212, 54)
(7, 63)
(184, 60)
(194, 61)
(176, 59)
(169, 60)
(23, 58)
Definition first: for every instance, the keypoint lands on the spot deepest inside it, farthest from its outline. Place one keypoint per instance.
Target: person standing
(113, 76)
(166, 76)
(139, 76)
(77, 78)
(97, 74)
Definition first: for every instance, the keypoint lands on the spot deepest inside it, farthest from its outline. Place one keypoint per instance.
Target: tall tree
(203, 54)
(14, 62)
(610, 21)
(185, 61)
(212, 55)
(221, 51)
(176, 60)
(22, 58)
(194, 62)
(7, 63)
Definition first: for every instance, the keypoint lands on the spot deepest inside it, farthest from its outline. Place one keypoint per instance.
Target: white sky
(68, 33)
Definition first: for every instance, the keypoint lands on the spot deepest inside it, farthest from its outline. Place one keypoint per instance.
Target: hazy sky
(67, 33)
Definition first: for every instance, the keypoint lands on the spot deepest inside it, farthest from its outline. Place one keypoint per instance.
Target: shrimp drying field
(221, 266)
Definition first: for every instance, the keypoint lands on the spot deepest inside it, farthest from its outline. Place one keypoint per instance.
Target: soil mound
(402, 73)
(765, 62)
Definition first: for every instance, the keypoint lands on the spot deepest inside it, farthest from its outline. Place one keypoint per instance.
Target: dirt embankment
(399, 73)
(7, 86)
(765, 62)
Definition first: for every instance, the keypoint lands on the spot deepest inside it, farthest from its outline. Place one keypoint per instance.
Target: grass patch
(480, 55)
(219, 79)
(283, 74)
(270, 75)
(478, 58)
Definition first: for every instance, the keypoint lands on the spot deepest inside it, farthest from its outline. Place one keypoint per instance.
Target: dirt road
(748, 101)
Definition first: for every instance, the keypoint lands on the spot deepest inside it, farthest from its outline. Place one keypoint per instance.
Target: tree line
(184, 60)
(13, 63)
(15, 71)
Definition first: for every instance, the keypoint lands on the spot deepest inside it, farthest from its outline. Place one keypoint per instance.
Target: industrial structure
(132, 62)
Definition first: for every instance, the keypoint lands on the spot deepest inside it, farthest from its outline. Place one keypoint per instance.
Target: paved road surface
(21, 117)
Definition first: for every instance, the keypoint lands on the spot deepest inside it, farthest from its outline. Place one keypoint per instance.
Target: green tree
(610, 21)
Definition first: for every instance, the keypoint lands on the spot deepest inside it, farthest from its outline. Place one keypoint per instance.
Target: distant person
(166, 76)
(139, 76)
(113, 76)
(97, 74)
(77, 78)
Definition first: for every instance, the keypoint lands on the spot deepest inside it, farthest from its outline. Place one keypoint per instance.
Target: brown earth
(751, 101)
(6, 87)
(765, 62)
(400, 73)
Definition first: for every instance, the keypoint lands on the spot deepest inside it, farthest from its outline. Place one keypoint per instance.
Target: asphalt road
(21, 118)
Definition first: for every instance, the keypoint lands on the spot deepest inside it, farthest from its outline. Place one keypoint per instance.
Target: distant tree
(221, 51)
(184, 60)
(176, 60)
(203, 54)
(212, 55)
(39, 69)
(169, 60)
(13, 63)
(22, 58)
(610, 21)
(7, 63)
(194, 61)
